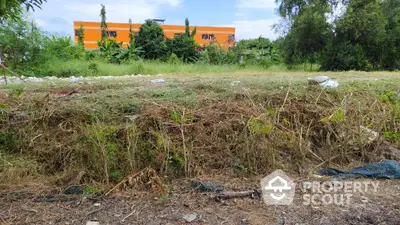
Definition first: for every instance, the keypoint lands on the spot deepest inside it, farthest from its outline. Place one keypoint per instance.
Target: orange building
(225, 36)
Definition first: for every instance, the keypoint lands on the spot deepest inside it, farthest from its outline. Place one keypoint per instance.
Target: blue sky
(251, 18)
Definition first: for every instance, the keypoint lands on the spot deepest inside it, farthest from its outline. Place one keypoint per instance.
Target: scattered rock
(324, 81)
(158, 81)
(235, 82)
(318, 80)
(92, 223)
(97, 204)
(330, 84)
(74, 79)
(132, 118)
(368, 136)
(190, 217)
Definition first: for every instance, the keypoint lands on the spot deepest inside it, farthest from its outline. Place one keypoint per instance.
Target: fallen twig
(256, 193)
(13, 73)
(94, 211)
(29, 209)
(125, 180)
(129, 215)
(284, 101)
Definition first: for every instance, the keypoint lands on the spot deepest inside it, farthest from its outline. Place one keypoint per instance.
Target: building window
(204, 36)
(112, 34)
(76, 32)
(231, 37)
(208, 37)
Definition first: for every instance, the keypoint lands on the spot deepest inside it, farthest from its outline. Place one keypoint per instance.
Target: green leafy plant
(260, 126)
(94, 68)
(89, 190)
(338, 116)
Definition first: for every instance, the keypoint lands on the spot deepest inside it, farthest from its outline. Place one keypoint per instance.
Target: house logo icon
(278, 189)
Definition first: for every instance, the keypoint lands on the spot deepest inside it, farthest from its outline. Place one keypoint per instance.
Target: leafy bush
(150, 39)
(173, 59)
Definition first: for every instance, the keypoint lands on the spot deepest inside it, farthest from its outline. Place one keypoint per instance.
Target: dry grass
(193, 126)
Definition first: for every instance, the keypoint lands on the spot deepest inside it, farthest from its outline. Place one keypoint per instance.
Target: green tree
(291, 8)
(81, 37)
(187, 27)
(151, 40)
(103, 24)
(183, 45)
(12, 8)
(131, 33)
(391, 12)
(359, 39)
(308, 36)
(21, 44)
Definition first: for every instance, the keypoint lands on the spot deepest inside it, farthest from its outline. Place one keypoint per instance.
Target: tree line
(364, 35)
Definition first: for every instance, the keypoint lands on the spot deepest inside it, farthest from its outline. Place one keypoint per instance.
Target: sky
(251, 18)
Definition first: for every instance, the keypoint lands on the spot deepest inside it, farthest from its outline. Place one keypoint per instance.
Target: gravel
(73, 79)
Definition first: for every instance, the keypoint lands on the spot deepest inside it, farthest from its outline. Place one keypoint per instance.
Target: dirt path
(131, 207)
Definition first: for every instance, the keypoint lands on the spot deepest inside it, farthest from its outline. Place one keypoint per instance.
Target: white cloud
(246, 29)
(260, 23)
(256, 4)
(173, 3)
(41, 22)
(117, 11)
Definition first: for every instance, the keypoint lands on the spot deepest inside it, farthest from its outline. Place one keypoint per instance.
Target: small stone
(190, 217)
(92, 223)
(97, 204)
(158, 81)
(318, 80)
(235, 83)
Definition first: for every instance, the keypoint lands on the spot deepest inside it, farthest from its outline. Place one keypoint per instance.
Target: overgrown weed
(244, 131)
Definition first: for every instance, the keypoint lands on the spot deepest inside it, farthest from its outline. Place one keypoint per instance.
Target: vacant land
(229, 128)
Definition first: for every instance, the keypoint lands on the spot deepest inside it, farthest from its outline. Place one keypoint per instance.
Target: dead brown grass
(244, 131)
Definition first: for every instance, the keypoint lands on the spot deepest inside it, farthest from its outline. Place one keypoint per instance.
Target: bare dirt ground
(131, 207)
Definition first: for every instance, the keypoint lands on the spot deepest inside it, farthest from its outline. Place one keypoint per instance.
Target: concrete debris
(191, 217)
(235, 82)
(324, 81)
(368, 135)
(158, 81)
(330, 84)
(318, 80)
(132, 118)
(73, 79)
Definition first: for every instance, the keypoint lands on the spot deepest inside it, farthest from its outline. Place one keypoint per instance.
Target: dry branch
(145, 177)
(256, 193)
(125, 180)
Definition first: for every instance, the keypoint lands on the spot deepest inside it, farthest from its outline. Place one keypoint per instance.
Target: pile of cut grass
(193, 127)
